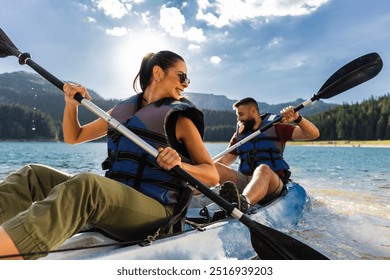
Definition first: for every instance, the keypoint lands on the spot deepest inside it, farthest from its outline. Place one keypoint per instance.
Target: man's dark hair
(246, 101)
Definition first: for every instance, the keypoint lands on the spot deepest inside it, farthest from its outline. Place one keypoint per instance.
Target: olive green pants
(41, 207)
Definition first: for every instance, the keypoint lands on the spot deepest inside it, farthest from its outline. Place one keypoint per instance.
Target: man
(262, 172)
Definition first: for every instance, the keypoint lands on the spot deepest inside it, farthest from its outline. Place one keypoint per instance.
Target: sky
(273, 50)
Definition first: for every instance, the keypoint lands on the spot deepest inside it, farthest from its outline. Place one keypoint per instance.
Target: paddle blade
(7, 48)
(350, 75)
(271, 244)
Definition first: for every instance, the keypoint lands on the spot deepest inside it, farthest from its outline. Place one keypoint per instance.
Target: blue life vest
(265, 148)
(154, 123)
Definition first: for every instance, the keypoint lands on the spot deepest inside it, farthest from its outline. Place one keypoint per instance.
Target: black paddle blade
(271, 244)
(350, 75)
(7, 48)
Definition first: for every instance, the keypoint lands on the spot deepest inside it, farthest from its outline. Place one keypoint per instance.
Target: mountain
(31, 109)
(24, 95)
(33, 91)
(22, 83)
(222, 103)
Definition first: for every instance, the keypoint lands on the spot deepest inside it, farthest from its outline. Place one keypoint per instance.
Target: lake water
(349, 187)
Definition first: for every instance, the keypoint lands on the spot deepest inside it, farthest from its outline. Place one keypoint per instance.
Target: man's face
(245, 118)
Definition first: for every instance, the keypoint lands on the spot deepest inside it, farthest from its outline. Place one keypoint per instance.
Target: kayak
(208, 233)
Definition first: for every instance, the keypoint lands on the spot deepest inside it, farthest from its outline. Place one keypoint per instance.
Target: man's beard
(247, 126)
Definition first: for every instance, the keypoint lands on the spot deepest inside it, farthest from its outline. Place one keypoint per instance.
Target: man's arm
(229, 158)
(305, 130)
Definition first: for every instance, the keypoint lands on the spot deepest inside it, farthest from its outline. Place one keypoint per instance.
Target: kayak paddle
(267, 242)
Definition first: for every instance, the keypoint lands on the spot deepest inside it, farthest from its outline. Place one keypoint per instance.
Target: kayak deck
(208, 235)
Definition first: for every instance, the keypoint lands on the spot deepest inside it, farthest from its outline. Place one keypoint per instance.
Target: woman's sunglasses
(183, 78)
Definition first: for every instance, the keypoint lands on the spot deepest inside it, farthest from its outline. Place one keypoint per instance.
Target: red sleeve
(284, 132)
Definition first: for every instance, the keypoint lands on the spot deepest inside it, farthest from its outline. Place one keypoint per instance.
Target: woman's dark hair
(164, 59)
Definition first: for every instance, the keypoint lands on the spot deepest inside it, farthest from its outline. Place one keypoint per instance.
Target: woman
(41, 207)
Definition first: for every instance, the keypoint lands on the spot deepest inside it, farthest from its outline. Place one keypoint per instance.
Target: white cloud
(117, 31)
(275, 42)
(195, 34)
(146, 17)
(215, 59)
(222, 13)
(91, 19)
(114, 8)
(193, 47)
(173, 22)
(289, 62)
(83, 7)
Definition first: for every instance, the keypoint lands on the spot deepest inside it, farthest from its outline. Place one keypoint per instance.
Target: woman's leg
(29, 184)
(7, 246)
(85, 198)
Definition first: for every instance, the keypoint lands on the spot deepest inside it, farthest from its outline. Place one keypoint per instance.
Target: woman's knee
(84, 177)
(85, 180)
(39, 168)
(83, 191)
(83, 183)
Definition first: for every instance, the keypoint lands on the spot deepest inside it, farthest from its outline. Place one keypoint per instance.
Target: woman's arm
(73, 132)
(203, 168)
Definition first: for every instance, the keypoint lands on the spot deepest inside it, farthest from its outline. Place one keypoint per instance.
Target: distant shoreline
(338, 143)
(344, 143)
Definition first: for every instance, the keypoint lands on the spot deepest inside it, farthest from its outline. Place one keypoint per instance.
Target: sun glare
(128, 53)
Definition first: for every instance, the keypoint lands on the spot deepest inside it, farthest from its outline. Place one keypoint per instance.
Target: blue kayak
(209, 234)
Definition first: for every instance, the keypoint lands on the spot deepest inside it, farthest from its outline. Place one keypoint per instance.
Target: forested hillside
(219, 125)
(368, 120)
(31, 109)
(22, 123)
